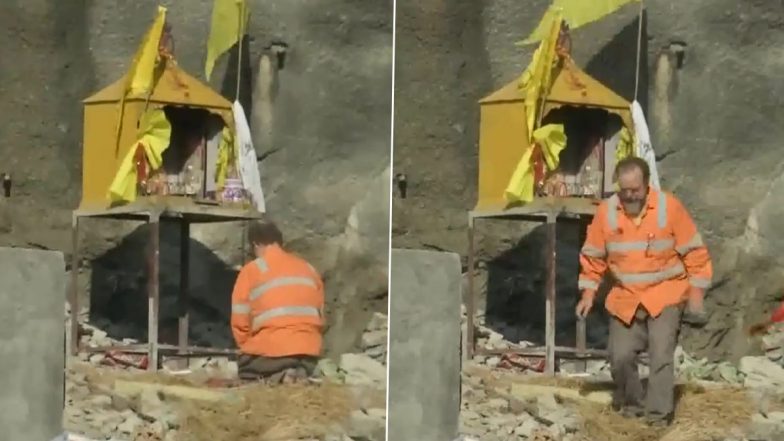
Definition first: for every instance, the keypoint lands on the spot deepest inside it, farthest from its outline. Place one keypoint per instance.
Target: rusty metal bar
(184, 300)
(470, 300)
(581, 343)
(153, 292)
(73, 292)
(580, 329)
(550, 294)
(174, 349)
(541, 352)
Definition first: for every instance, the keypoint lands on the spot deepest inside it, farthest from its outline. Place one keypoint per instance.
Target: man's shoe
(695, 319)
(658, 423)
(631, 412)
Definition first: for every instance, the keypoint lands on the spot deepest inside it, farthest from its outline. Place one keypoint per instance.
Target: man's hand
(695, 309)
(585, 304)
(695, 301)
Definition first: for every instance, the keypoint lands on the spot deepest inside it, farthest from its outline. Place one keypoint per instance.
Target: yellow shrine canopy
(106, 160)
(511, 121)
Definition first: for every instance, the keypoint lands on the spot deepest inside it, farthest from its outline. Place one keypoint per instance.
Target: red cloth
(778, 315)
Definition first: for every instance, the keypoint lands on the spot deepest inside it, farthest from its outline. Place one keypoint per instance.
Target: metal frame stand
(154, 211)
(546, 210)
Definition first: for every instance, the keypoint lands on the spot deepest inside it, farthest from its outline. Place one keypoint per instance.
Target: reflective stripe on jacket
(277, 306)
(652, 264)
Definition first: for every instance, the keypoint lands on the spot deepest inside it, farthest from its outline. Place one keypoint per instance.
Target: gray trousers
(253, 367)
(660, 336)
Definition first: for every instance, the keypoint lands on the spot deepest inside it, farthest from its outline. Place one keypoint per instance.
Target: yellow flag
(140, 76)
(576, 13)
(229, 20)
(537, 79)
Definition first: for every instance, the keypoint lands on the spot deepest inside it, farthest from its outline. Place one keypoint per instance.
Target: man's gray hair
(631, 163)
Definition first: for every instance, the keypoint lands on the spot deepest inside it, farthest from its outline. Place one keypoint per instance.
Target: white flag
(644, 148)
(246, 159)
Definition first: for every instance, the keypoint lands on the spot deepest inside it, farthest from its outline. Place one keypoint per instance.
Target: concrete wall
(424, 351)
(32, 360)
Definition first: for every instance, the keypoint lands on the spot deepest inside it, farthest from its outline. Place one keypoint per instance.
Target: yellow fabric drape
(576, 13)
(140, 77)
(625, 146)
(552, 139)
(537, 78)
(229, 20)
(154, 134)
(226, 155)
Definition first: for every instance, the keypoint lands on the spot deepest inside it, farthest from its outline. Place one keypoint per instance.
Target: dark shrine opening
(586, 163)
(188, 167)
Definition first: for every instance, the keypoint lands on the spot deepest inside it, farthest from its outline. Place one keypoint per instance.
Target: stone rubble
(93, 413)
(486, 416)
(773, 344)
(374, 339)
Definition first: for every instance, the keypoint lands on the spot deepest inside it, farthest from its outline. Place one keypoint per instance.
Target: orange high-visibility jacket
(277, 306)
(652, 264)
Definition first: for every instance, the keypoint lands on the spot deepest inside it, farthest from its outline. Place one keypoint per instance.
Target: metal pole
(580, 337)
(184, 300)
(153, 294)
(241, 30)
(470, 304)
(639, 49)
(73, 292)
(550, 294)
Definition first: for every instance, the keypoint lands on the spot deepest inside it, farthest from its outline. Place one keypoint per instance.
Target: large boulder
(710, 89)
(325, 115)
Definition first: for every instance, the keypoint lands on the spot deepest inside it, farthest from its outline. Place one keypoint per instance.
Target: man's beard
(633, 207)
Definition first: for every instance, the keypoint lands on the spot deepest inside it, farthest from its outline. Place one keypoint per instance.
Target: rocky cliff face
(326, 131)
(712, 112)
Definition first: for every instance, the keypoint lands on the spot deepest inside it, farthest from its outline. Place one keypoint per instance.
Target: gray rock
(547, 403)
(378, 321)
(152, 407)
(100, 401)
(328, 369)
(473, 430)
(130, 423)
(378, 353)
(777, 416)
(362, 370)
(527, 428)
(493, 361)
(374, 338)
(501, 420)
(764, 428)
(493, 406)
(367, 425)
(762, 373)
(469, 415)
